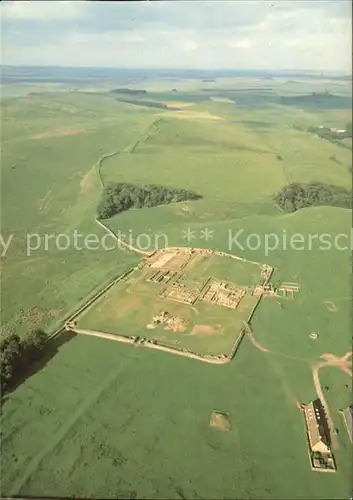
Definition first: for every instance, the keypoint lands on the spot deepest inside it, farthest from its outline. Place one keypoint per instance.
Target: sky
(236, 34)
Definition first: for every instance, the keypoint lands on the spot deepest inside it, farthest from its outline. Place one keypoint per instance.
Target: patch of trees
(17, 354)
(300, 195)
(118, 197)
(323, 100)
(142, 102)
(298, 127)
(333, 158)
(129, 91)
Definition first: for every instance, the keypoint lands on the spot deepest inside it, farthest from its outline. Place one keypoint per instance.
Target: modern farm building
(318, 432)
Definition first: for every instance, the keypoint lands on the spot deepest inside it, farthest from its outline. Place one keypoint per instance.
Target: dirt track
(120, 241)
(254, 341)
(342, 363)
(320, 394)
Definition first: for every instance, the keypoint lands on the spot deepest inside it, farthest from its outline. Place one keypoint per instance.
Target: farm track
(122, 242)
(261, 348)
(329, 360)
(129, 149)
(319, 392)
(254, 342)
(340, 363)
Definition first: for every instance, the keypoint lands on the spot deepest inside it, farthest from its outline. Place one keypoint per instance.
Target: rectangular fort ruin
(268, 290)
(162, 276)
(223, 294)
(290, 288)
(180, 292)
(173, 260)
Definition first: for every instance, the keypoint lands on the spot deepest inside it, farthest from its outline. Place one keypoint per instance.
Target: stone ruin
(223, 294)
(174, 323)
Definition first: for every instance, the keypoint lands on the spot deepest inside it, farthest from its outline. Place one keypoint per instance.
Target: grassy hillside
(100, 418)
(49, 187)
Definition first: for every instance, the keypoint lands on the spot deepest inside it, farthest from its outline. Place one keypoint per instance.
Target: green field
(101, 418)
(116, 420)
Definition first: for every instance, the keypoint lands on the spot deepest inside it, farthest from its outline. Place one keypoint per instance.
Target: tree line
(148, 104)
(17, 354)
(118, 197)
(300, 195)
(129, 91)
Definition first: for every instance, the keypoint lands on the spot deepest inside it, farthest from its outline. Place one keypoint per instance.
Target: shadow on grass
(51, 350)
(125, 495)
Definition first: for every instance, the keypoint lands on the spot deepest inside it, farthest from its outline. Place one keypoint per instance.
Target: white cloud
(40, 10)
(133, 37)
(310, 34)
(242, 43)
(189, 45)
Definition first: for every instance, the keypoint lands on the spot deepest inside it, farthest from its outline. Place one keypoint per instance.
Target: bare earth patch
(178, 104)
(253, 340)
(162, 259)
(220, 420)
(192, 115)
(186, 208)
(174, 323)
(58, 133)
(344, 363)
(221, 99)
(205, 329)
(178, 325)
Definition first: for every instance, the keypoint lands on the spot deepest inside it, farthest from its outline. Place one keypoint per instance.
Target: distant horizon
(298, 71)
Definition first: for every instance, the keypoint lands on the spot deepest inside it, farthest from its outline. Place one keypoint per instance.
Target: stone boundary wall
(219, 359)
(126, 245)
(216, 359)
